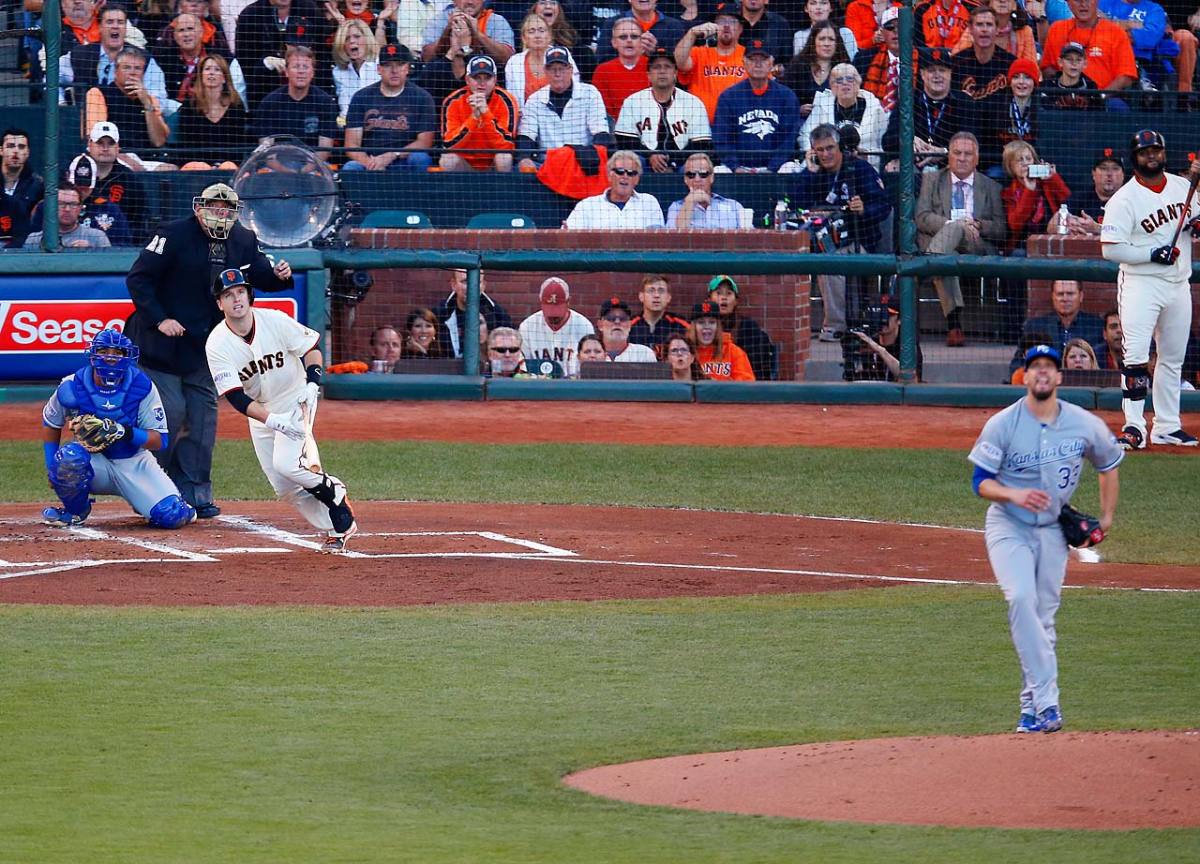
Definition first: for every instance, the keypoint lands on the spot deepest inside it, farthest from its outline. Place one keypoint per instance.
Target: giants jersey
(539, 342)
(1146, 219)
(267, 364)
(686, 121)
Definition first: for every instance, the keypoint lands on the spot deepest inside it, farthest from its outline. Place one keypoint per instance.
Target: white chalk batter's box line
(536, 551)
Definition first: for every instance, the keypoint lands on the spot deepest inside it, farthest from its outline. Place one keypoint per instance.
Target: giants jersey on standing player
(1146, 218)
(642, 118)
(267, 365)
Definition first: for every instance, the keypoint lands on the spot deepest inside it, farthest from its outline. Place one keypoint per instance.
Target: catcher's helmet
(1146, 138)
(217, 208)
(231, 278)
(110, 368)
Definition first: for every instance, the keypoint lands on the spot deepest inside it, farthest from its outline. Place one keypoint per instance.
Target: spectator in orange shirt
(864, 17)
(80, 25)
(619, 78)
(1110, 62)
(479, 116)
(719, 358)
(707, 71)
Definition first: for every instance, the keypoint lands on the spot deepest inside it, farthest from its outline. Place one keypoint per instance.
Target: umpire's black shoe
(208, 511)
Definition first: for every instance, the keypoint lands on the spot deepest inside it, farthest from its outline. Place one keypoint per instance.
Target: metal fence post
(52, 33)
(907, 286)
(471, 324)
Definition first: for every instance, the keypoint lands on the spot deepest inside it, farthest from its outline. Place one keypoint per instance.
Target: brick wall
(1097, 296)
(779, 303)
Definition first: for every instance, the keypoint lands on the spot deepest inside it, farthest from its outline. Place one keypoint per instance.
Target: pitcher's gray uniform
(1027, 550)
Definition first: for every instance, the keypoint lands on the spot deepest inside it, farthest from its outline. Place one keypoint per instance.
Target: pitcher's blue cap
(1043, 351)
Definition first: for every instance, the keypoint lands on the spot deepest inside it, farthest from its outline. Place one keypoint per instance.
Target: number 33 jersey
(1025, 453)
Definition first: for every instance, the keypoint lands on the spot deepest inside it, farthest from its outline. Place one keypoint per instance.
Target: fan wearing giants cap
(1140, 221)
(171, 287)
(662, 123)
(554, 332)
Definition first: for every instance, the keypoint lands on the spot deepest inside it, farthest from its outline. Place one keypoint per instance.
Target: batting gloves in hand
(1194, 227)
(290, 425)
(1165, 255)
(311, 393)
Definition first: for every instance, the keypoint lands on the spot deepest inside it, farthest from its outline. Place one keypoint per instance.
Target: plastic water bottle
(1063, 214)
(780, 219)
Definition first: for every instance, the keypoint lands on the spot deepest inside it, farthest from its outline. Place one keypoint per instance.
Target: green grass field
(306, 736)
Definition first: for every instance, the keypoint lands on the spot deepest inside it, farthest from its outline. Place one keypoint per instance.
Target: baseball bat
(1187, 205)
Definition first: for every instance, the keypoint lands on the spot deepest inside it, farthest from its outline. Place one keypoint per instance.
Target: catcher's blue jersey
(134, 402)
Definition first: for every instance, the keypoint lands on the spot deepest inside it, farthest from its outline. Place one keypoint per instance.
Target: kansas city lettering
(260, 366)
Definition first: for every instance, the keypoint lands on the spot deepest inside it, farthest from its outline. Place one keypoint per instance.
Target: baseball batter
(268, 367)
(117, 417)
(1027, 462)
(1152, 287)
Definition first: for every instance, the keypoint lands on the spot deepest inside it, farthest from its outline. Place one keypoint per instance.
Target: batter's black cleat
(335, 544)
(1178, 438)
(1131, 438)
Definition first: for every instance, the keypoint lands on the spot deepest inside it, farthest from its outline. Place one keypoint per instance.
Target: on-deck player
(1152, 287)
(1027, 461)
(110, 386)
(268, 367)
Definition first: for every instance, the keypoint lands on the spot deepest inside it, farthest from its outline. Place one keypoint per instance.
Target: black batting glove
(1165, 255)
(1194, 227)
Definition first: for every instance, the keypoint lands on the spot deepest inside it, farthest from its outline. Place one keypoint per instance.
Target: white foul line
(281, 535)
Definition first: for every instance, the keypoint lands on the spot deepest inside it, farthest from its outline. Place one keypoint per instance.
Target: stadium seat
(500, 221)
(397, 219)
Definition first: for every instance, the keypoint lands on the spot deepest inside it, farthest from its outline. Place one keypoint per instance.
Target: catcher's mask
(217, 208)
(231, 278)
(110, 367)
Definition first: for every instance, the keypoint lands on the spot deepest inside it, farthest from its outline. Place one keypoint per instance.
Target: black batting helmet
(231, 278)
(1146, 138)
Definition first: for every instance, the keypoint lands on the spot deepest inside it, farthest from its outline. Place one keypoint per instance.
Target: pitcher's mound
(1100, 781)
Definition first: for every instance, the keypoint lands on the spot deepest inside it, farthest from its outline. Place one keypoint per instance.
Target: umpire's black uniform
(172, 278)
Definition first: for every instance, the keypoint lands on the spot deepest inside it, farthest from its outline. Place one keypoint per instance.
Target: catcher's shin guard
(71, 476)
(172, 512)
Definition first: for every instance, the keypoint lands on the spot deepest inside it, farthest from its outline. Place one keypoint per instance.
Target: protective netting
(454, 122)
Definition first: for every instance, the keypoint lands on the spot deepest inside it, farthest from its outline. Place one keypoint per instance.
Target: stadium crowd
(691, 87)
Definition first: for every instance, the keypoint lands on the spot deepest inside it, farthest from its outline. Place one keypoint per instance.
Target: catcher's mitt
(1080, 529)
(94, 433)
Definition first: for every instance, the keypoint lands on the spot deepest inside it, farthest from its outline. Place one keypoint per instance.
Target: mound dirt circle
(1111, 781)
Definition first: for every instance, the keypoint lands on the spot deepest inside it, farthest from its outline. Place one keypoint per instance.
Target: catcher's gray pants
(138, 479)
(1030, 564)
(190, 402)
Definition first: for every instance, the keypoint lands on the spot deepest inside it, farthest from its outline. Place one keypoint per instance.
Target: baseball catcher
(117, 418)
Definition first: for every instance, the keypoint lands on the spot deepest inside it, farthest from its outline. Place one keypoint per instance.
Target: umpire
(171, 288)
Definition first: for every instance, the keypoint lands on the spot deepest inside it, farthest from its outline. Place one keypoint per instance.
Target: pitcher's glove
(96, 434)
(1080, 529)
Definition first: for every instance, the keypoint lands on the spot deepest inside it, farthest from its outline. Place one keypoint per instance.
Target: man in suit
(959, 210)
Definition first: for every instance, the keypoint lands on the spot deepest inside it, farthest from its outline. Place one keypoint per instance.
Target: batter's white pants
(1163, 312)
(291, 468)
(1030, 564)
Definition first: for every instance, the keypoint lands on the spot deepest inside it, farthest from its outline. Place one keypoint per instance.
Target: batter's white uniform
(541, 342)
(1154, 299)
(686, 119)
(270, 369)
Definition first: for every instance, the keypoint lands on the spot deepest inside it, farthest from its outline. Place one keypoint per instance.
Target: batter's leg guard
(1136, 382)
(71, 474)
(172, 512)
(332, 493)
